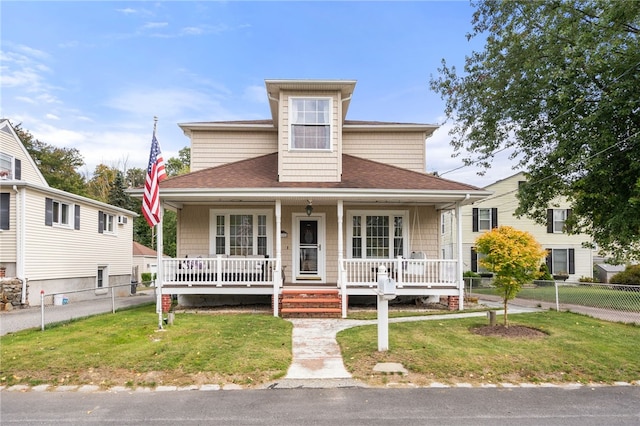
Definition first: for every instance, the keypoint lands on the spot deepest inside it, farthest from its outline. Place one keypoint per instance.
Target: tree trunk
(506, 321)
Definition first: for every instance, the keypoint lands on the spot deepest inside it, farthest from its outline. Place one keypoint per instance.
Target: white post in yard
(459, 268)
(386, 292)
(159, 269)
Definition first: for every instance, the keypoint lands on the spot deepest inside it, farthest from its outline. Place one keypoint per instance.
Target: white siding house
(55, 241)
(566, 254)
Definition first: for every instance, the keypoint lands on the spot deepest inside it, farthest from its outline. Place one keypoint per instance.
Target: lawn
(576, 349)
(126, 349)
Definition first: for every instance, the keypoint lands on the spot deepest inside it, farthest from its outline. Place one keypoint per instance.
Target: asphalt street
(583, 406)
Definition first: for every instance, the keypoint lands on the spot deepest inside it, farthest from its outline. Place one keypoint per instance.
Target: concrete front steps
(310, 303)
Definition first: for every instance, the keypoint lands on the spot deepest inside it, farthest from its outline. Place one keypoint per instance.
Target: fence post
(42, 310)
(555, 283)
(113, 300)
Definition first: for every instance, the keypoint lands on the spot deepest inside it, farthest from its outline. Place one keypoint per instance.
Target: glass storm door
(310, 259)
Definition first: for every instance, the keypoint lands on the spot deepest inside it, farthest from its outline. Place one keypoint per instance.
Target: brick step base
(310, 303)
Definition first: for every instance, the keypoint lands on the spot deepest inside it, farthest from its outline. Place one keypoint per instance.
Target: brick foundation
(453, 302)
(166, 303)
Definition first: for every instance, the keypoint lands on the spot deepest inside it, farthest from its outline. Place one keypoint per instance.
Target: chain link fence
(612, 302)
(69, 305)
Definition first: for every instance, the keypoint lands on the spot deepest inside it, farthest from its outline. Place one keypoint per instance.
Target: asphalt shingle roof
(357, 173)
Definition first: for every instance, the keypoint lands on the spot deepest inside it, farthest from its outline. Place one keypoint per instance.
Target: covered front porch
(262, 250)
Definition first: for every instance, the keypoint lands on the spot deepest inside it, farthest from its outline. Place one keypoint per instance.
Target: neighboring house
(566, 255)
(55, 241)
(145, 260)
(308, 203)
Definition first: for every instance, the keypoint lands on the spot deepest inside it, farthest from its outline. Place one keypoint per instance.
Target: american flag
(155, 174)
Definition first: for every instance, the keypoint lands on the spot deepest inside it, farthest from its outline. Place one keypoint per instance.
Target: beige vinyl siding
(309, 166)
(211, 149)
(53, 252)
(9, 145)
(401, 149)
(8, 242)
(193, 234)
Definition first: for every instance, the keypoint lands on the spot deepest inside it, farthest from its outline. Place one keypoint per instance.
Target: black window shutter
(17, 175)
(76, 223)
(5, 199)
(100, 222)
(494, 217)
(474, 259)
(48, 212)
(572, 261)
(569, 213)
(549, 260)
(475, 219)
(549, 221)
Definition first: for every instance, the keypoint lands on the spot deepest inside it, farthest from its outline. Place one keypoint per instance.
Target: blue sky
(92, 75)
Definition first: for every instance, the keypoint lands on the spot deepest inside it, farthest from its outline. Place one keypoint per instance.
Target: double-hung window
(556, 219)
(484, 219)
(240, 233)
(377, 235)
(561, 261)
(310, 123)
(9, 167)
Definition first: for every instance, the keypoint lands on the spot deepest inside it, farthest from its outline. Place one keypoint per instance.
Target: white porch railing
(219, 271)
(406, 272)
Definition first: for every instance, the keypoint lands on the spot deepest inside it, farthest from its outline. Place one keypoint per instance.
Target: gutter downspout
(20, 239)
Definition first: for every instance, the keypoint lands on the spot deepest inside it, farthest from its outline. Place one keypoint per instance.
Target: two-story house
(566, 256)
(308, 205)
(54, 241)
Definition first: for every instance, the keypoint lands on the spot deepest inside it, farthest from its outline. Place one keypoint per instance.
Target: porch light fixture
(309, 208)
(284, 234)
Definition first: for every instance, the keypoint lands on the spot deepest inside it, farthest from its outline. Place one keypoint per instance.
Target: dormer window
(310, 123)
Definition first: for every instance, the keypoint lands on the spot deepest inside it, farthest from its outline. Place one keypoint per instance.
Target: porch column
(278, 266)
(459, 243)
(341, 281)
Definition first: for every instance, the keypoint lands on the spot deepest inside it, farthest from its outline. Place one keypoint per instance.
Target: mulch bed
(511, 331)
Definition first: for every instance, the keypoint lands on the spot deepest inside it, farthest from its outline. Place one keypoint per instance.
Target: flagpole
(159, 250)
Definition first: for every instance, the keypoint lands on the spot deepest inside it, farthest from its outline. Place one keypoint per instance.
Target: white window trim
(114, 222)
(291, 123)
(563, 212)
(55, 221)
(391, 214)
(480, 221)
(214, 213)
(11, 172)
(105, 279)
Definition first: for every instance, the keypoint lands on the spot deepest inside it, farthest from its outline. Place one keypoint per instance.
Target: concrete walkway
(317, 361)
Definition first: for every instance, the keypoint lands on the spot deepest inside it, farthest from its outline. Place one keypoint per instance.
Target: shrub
(470, 274)
(630, 276)
(147, 277)
(544, 273)
(587, 280)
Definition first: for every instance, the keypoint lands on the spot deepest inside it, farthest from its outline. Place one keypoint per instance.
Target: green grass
(576, 349)
(127, 349)
(594, 296)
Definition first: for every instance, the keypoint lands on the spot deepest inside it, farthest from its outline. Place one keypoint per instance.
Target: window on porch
(240, 233)
(377, 236)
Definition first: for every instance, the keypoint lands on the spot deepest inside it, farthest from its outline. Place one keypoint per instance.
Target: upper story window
(7, 166)
(556, 219)
(484, 219)
(59, 213)
(310, 123)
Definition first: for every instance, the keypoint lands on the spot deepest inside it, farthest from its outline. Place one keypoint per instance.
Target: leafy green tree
(100, 184)
(57, 165)
(514, 258)
(117, 195)
(181, 164)
(558, 83)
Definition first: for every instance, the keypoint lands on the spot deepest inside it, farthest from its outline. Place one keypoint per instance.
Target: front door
(309, 252)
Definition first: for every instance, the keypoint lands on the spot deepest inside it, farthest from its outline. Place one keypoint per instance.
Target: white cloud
(52, 117)
(154, 25)
(127, 11)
